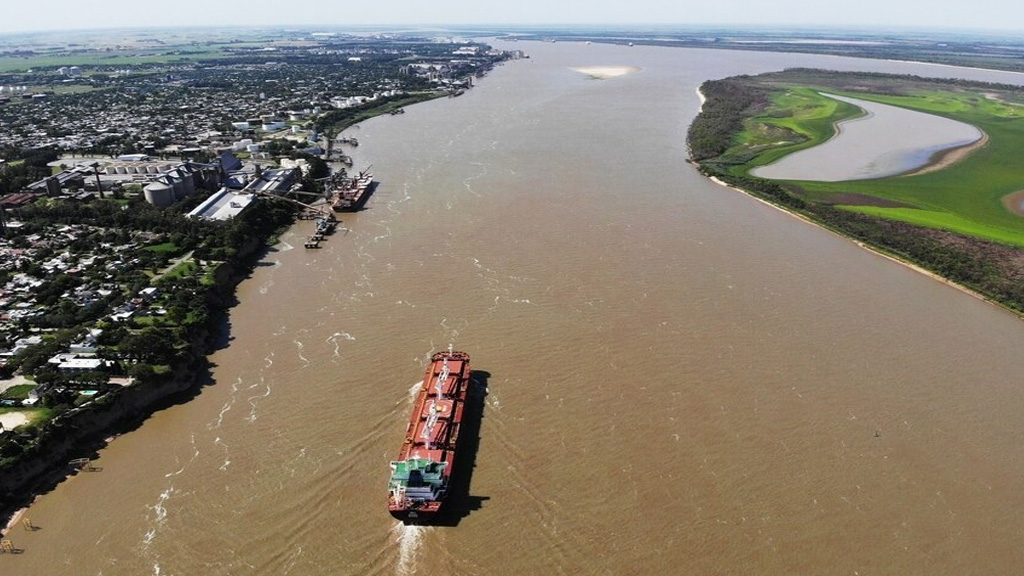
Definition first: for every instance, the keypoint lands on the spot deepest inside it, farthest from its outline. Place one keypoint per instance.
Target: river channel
(679, 379)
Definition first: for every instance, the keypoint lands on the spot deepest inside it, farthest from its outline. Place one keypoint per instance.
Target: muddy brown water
(679, 379)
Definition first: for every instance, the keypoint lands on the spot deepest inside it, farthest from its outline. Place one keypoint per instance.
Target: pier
(325, 226)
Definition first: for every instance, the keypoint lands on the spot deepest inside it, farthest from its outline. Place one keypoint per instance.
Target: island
(959, 216)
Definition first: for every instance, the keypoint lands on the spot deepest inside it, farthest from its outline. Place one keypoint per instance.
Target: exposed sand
(605, 72)
(1015, 202)
(11, 420)
(947, 158)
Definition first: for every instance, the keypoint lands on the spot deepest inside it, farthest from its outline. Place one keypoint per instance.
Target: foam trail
(409, 540)
(415, 390)
(333, 339)
(300, 346)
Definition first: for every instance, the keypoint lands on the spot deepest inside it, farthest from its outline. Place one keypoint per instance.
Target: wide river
(679, 379)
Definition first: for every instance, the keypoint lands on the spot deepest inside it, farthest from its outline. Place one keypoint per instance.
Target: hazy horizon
(984, 16)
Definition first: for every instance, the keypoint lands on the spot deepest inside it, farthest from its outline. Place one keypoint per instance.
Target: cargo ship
(353, 192)
(421, 475)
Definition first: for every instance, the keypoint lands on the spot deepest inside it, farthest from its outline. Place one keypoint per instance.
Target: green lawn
(19, 392)
(165, 248)
(183, 270)
(965, 197)
(798, 118)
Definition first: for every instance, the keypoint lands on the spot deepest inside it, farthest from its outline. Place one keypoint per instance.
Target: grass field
(19, 392)
(183, 270)
(797, 119)
(120, 58)
(965, 197)
(165, 248)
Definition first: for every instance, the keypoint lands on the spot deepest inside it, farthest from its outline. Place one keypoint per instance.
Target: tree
(150, 345)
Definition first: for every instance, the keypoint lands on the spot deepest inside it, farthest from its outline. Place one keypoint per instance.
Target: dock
(325, 226)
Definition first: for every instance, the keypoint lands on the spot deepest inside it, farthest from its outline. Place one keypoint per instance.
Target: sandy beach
(605, 72)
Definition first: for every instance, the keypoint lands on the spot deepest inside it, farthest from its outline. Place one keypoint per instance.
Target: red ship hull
(353, 194)
(422, 472)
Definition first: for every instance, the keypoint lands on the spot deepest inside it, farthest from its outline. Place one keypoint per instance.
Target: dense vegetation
(747, 127)
(22, 167)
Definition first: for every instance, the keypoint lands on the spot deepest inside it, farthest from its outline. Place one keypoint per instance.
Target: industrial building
(223, 205)
(172, 186)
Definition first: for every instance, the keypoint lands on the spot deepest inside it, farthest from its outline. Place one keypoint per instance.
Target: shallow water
(887, 140)
(678, 378)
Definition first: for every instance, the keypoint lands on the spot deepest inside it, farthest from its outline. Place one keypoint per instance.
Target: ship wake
(409, 539)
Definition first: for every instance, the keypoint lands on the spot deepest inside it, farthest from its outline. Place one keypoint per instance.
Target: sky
(16, 16)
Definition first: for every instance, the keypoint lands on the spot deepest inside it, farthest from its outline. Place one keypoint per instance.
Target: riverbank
(82, 432)
(874, 250)
(953, 219)
(945, 158)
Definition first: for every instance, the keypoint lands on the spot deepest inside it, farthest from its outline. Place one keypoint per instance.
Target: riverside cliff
(81, 432)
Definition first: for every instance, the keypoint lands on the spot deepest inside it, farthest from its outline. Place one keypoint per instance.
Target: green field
(798, 118)
(165, 248)
(965, 197)
(19, 392)
(101, 58)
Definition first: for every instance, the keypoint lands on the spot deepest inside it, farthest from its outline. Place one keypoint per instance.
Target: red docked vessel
(421, 474)
(353, 192)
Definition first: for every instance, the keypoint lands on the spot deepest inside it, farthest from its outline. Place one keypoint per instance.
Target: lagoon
(885, 141)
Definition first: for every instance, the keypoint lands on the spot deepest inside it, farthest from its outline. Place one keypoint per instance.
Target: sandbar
(1015, 202)
(605, 72)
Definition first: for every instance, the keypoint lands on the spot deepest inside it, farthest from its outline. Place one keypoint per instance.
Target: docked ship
(352, 193)
(421, 475)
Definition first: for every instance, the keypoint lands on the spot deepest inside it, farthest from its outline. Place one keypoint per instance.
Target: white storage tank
(158, 194)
